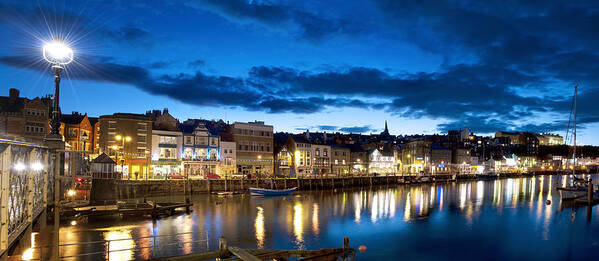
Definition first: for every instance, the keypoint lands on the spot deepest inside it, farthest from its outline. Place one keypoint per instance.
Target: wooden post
(226, 183)
(298, 182)
(272, 183)
(590, 192)
(310, 183)
(223, 248)
(187, 208)
(321, 183)
(209, 187)
(285, 183)
(242, 188)
(333, 182)
(346, 243)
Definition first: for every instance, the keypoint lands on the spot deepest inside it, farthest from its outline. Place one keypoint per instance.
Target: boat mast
(575, 93)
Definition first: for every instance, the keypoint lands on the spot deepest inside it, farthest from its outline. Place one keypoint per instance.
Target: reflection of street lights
(58, 54)
(123, 140)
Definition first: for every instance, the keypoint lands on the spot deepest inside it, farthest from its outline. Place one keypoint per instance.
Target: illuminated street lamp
(123, 139)
(58, 54)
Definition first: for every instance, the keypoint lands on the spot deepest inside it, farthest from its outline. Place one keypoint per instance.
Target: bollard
(346, 243)
(223, 248)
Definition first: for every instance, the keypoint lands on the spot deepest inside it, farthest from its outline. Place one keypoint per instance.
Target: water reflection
(259, 227)
(507, 212)
(120, 245)
(298, 228)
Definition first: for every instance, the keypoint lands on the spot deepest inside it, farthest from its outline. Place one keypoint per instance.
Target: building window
(141, 152)
(142, 127)
(317, 152)
(336, 162)
(141, 139)
(112, 125)
(325, 152)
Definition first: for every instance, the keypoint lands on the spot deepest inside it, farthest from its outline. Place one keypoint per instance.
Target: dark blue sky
(425, 66)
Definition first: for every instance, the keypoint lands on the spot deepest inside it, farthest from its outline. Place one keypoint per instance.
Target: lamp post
(58, 54)
(123, 139)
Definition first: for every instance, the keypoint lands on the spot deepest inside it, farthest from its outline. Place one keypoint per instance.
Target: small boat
(569, 193)
(271, 192)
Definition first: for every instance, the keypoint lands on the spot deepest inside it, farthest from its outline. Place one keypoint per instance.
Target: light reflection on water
(506, 218)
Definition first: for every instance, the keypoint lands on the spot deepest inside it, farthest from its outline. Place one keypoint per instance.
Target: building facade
(24, 119)
(167, 147)
(381, 161)
(340, 160)
(228, 158)
(127, 138)
(77, 131)
(254, 141)
(321, 157)
(201, 152)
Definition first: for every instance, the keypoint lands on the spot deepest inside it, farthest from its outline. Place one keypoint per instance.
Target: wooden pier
(231, 253)
(148, 208)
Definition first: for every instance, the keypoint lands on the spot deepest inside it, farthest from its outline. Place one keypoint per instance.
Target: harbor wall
(130, 189)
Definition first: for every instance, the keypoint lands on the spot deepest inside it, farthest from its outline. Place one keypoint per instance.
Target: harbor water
(514, 219)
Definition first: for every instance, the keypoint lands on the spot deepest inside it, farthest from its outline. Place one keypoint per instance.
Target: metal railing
(106, 245)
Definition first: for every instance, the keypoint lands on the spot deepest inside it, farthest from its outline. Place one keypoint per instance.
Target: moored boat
(569, 193)
(271, 192)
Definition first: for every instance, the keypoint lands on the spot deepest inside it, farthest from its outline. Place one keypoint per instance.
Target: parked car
(212, 176)
(175, 176)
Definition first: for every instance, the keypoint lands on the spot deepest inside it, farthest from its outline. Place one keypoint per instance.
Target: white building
(381, 162)
(167, 149)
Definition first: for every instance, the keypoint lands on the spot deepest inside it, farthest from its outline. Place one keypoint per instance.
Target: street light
(123, 139)
(58, 54)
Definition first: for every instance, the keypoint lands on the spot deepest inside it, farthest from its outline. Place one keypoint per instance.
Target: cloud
(130, 35)
(357, 129)
(196, 63)
(308, 25)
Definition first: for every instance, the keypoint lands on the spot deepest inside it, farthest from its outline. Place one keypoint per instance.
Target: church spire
(386, 132)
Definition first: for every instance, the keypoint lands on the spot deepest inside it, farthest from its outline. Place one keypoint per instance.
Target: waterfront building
(201, 150)
(77, 131)
(228, 156)
(254, 141)
(167, 145)
(381, 161)
(358, 159)
(24, 119)
(283, 156)
(127, 138)
(321, 157)
(301, 155)
(440, 159)
(340, 160)
(415, 156)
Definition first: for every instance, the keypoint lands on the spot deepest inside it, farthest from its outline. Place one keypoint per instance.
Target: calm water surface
(489, 220)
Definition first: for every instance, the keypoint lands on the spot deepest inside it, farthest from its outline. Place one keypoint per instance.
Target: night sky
(424, 66)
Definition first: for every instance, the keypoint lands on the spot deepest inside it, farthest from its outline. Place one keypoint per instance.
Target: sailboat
(579, 187)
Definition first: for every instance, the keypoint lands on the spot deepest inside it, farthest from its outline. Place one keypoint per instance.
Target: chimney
(307, 134)
(13, 96)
